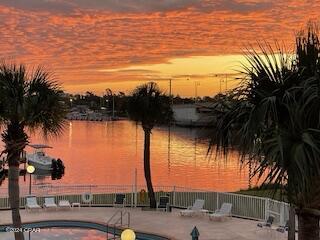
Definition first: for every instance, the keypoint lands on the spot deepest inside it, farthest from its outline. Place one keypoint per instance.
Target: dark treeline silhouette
(119, 101)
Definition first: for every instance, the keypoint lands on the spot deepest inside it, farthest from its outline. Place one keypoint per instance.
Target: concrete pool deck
(171, 224)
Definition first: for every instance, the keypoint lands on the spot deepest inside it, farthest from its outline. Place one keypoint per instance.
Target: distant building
(192, 115)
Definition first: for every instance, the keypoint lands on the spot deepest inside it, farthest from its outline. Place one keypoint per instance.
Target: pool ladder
(117, 220)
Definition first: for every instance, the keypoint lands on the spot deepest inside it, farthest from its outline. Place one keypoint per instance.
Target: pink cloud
(77, 39)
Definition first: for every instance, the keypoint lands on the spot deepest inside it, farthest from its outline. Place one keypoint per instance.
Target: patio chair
(119, 200)
(223, 213)
(65, 204)
(195, 209)
(50, 203)
(267, 223)
(163, 203)
(32, 203)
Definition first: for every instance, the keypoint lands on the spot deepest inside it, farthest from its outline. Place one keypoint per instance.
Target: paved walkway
(162, 223)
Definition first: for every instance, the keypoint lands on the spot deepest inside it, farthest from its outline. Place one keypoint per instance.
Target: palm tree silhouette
(149, 106)
(273, 120)
(29, 101)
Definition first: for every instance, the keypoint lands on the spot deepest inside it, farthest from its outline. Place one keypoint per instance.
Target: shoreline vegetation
(115, 106)
(268, 191)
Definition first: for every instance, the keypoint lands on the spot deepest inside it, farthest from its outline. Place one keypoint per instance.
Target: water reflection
(109, 153)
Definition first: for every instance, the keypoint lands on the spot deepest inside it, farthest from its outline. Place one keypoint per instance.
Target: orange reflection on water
(109, 153)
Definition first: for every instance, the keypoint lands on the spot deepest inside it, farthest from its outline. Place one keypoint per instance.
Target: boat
(41, 161)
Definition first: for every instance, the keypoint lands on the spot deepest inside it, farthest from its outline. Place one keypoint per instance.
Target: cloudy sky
(98, 44)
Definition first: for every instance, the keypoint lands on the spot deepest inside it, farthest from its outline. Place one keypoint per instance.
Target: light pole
(30, 170)
(170, 91)
(112, 105)
(196, 84)
(226, 82)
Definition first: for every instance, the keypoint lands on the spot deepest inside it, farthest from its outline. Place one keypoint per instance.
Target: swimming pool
(63, 229)
(60, 233)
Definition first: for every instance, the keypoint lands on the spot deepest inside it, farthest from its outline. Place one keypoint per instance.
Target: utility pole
(170, 91)
(196, 84)
(226, 82)
(112, 105)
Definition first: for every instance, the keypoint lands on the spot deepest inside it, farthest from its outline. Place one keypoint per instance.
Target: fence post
(217, 207)
(266, 208)
(174, 196)
(132, 196)
(135, 187)
(282, 220)
(135, 197)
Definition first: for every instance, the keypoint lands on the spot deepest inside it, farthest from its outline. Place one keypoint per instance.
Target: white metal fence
(244, 206)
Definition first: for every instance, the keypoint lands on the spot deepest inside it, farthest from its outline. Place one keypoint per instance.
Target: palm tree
(149, 106)
(274, 122)
(29, 101)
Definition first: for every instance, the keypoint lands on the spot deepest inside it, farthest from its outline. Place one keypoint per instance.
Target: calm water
(109, 153)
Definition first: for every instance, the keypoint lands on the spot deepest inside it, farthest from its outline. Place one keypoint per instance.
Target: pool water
(60, 233)
(69, 230)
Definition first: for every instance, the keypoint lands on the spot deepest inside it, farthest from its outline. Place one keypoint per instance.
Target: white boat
(38, 158)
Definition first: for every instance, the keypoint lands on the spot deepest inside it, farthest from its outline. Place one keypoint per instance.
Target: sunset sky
(92, 45)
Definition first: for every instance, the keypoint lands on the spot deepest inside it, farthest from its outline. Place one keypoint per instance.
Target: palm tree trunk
(14, 200)
(147, 168)
(15, 141)
(308, 226)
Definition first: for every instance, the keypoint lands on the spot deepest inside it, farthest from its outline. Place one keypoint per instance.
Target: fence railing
(245, 206)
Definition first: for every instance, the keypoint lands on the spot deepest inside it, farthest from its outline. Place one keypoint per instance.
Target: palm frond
(149, 105)
(274, 117)
(44, 107)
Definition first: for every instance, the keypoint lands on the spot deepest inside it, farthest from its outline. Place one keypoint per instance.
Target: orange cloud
(77, 40)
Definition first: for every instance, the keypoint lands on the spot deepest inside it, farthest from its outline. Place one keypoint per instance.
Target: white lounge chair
(223, 213)
(64, 204)
(195, 209)
(49, 203)
(32, 203)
